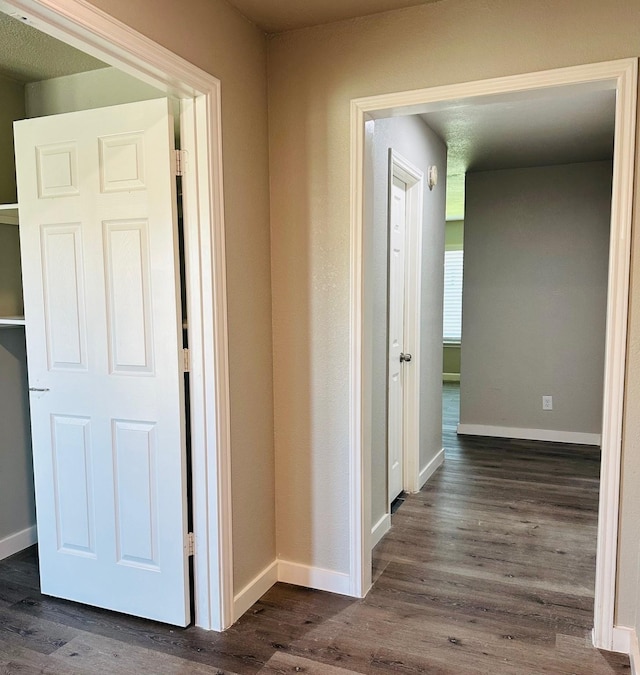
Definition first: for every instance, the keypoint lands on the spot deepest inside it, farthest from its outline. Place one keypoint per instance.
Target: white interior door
(398, 225)
(103, 323)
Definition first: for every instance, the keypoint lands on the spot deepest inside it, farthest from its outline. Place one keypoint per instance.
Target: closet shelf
(9, 214)
(11, 321)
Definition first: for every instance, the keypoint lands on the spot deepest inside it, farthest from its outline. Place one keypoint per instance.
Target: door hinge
(191, 544)
(181, 162)
(186, 361)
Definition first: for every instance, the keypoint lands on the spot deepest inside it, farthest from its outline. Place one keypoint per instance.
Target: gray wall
(17, 510)
(536, 247)
(94, 89)
(416, 142)
(84, 91)
(12, 108)
(16, 474)
(451, 361)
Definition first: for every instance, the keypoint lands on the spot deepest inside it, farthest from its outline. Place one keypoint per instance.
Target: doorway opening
(618, 77)
(198, 94)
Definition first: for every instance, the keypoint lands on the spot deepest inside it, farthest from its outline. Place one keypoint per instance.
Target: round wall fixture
(432, 177)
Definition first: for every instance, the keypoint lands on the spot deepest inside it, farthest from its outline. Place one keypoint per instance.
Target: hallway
(502, 542)
(490, 569)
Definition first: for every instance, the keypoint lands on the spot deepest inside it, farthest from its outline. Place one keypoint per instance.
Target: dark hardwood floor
(490, 569)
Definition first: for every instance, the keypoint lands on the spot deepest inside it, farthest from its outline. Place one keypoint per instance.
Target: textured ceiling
(562, 129)
(276, 16)
(28, 55)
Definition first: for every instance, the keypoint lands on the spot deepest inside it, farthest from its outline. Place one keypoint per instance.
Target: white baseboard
(255, 589)
(380, 529)
(625, 641)
(621, 639)
(430, 469)
(17, 542)
(288, 573)
(634, 653)
(451, 377)
(530, 434)
(313, 577)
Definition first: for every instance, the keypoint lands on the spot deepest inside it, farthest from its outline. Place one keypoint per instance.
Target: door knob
(405, 357)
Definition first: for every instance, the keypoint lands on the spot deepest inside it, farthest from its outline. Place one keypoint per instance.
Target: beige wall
(313, 74)
(416, 142)
(536, 245)
(213, 36)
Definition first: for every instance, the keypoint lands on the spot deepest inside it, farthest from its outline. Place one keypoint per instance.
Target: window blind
(452, 319)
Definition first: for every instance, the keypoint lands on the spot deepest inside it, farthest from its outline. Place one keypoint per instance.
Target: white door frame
(413, 178)
(93, 31)
(619, 75)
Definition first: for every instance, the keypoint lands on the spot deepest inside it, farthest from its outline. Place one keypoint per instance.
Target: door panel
(73, 484)
(135, 460)
(64, 301)
(128, 296)
(101, 293)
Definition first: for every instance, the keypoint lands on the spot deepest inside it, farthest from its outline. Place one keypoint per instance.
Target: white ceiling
(28, 55)
(277, 16)
(574, 126)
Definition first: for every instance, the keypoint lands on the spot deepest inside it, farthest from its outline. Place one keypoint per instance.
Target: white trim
(209, 379)
(403, 169)
(359, 458)
(621, 639)
(451, 377)
(380, 529)
(634, 653)
(85, 27)
(615, 352)
(552, 435)
(255, 589)
(18, 541)
(314, 577)
(432, 466)
(621, 75)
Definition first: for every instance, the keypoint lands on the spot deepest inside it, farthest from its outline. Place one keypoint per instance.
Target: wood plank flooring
(490, 569)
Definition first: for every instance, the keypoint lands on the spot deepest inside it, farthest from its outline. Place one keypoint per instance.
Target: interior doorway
(198, 92)
(619, 76)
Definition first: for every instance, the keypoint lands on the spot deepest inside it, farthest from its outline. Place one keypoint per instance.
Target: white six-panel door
(397, 235)
(103, 324)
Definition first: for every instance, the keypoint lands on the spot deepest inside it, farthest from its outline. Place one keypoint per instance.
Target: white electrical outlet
(547, 402)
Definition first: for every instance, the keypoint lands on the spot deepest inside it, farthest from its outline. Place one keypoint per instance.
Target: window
(452, 320)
